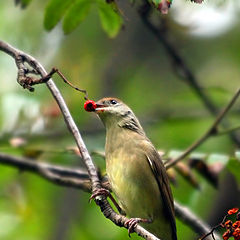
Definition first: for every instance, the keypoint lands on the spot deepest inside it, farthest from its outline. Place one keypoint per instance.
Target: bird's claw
(106, 193)
(99, 192)
(131, 224)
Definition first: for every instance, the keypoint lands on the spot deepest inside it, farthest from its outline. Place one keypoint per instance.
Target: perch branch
(21, 58)
(78, 178)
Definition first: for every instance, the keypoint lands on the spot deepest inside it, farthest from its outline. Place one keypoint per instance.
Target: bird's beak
(100, 107)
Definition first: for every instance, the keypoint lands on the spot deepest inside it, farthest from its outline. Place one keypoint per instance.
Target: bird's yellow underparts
(135, 171)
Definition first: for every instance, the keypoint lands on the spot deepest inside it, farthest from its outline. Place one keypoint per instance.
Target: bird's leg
(132, 222)
(106, 193)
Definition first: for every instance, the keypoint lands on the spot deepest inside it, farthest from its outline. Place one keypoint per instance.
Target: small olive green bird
(135, 170)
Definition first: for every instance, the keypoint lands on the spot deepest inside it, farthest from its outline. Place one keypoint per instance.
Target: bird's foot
(132, 222)
(106, 193)
(100, 192)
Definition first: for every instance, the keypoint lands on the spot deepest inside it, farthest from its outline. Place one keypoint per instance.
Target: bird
(136, 173)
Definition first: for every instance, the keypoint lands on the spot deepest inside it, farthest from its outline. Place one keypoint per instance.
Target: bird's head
(113, 112)
(111, 109)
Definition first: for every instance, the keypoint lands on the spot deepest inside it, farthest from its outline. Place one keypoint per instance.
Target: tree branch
(21, 58)
(78, 178)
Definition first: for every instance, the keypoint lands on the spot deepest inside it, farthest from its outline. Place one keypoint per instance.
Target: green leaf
(75, 15)
(234, 167)
(110, 19)
(55, 11)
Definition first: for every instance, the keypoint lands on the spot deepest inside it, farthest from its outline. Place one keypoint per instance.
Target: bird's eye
(113, 101)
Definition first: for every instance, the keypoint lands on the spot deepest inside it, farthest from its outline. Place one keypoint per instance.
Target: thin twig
(210, 132)
(21, 57)
(55, 70)
(226, 131)
(211, 232)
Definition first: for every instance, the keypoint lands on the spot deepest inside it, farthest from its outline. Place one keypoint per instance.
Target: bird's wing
(161, 177)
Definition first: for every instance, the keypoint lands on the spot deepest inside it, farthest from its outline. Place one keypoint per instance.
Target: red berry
(226, 235)
(236, 234)
(90, 106)
(228, 223)
(236, 224)
(232, 211)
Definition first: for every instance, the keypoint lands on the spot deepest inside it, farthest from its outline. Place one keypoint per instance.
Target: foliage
(72, 13)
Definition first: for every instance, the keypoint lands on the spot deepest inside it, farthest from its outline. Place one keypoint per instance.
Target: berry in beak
(90, 106)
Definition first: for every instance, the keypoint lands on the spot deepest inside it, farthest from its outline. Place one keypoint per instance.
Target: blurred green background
(134, 67)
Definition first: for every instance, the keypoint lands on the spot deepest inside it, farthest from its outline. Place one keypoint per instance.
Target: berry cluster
(232, 228)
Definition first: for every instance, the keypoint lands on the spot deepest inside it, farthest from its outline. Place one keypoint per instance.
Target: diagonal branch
(180, 66)
(21, 58)
(186, 216)
(213, 130)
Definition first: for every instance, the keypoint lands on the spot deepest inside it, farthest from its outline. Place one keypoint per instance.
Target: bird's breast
(132, 181)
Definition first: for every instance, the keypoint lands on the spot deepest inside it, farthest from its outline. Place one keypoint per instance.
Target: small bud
(90, 106)
(228, 224)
